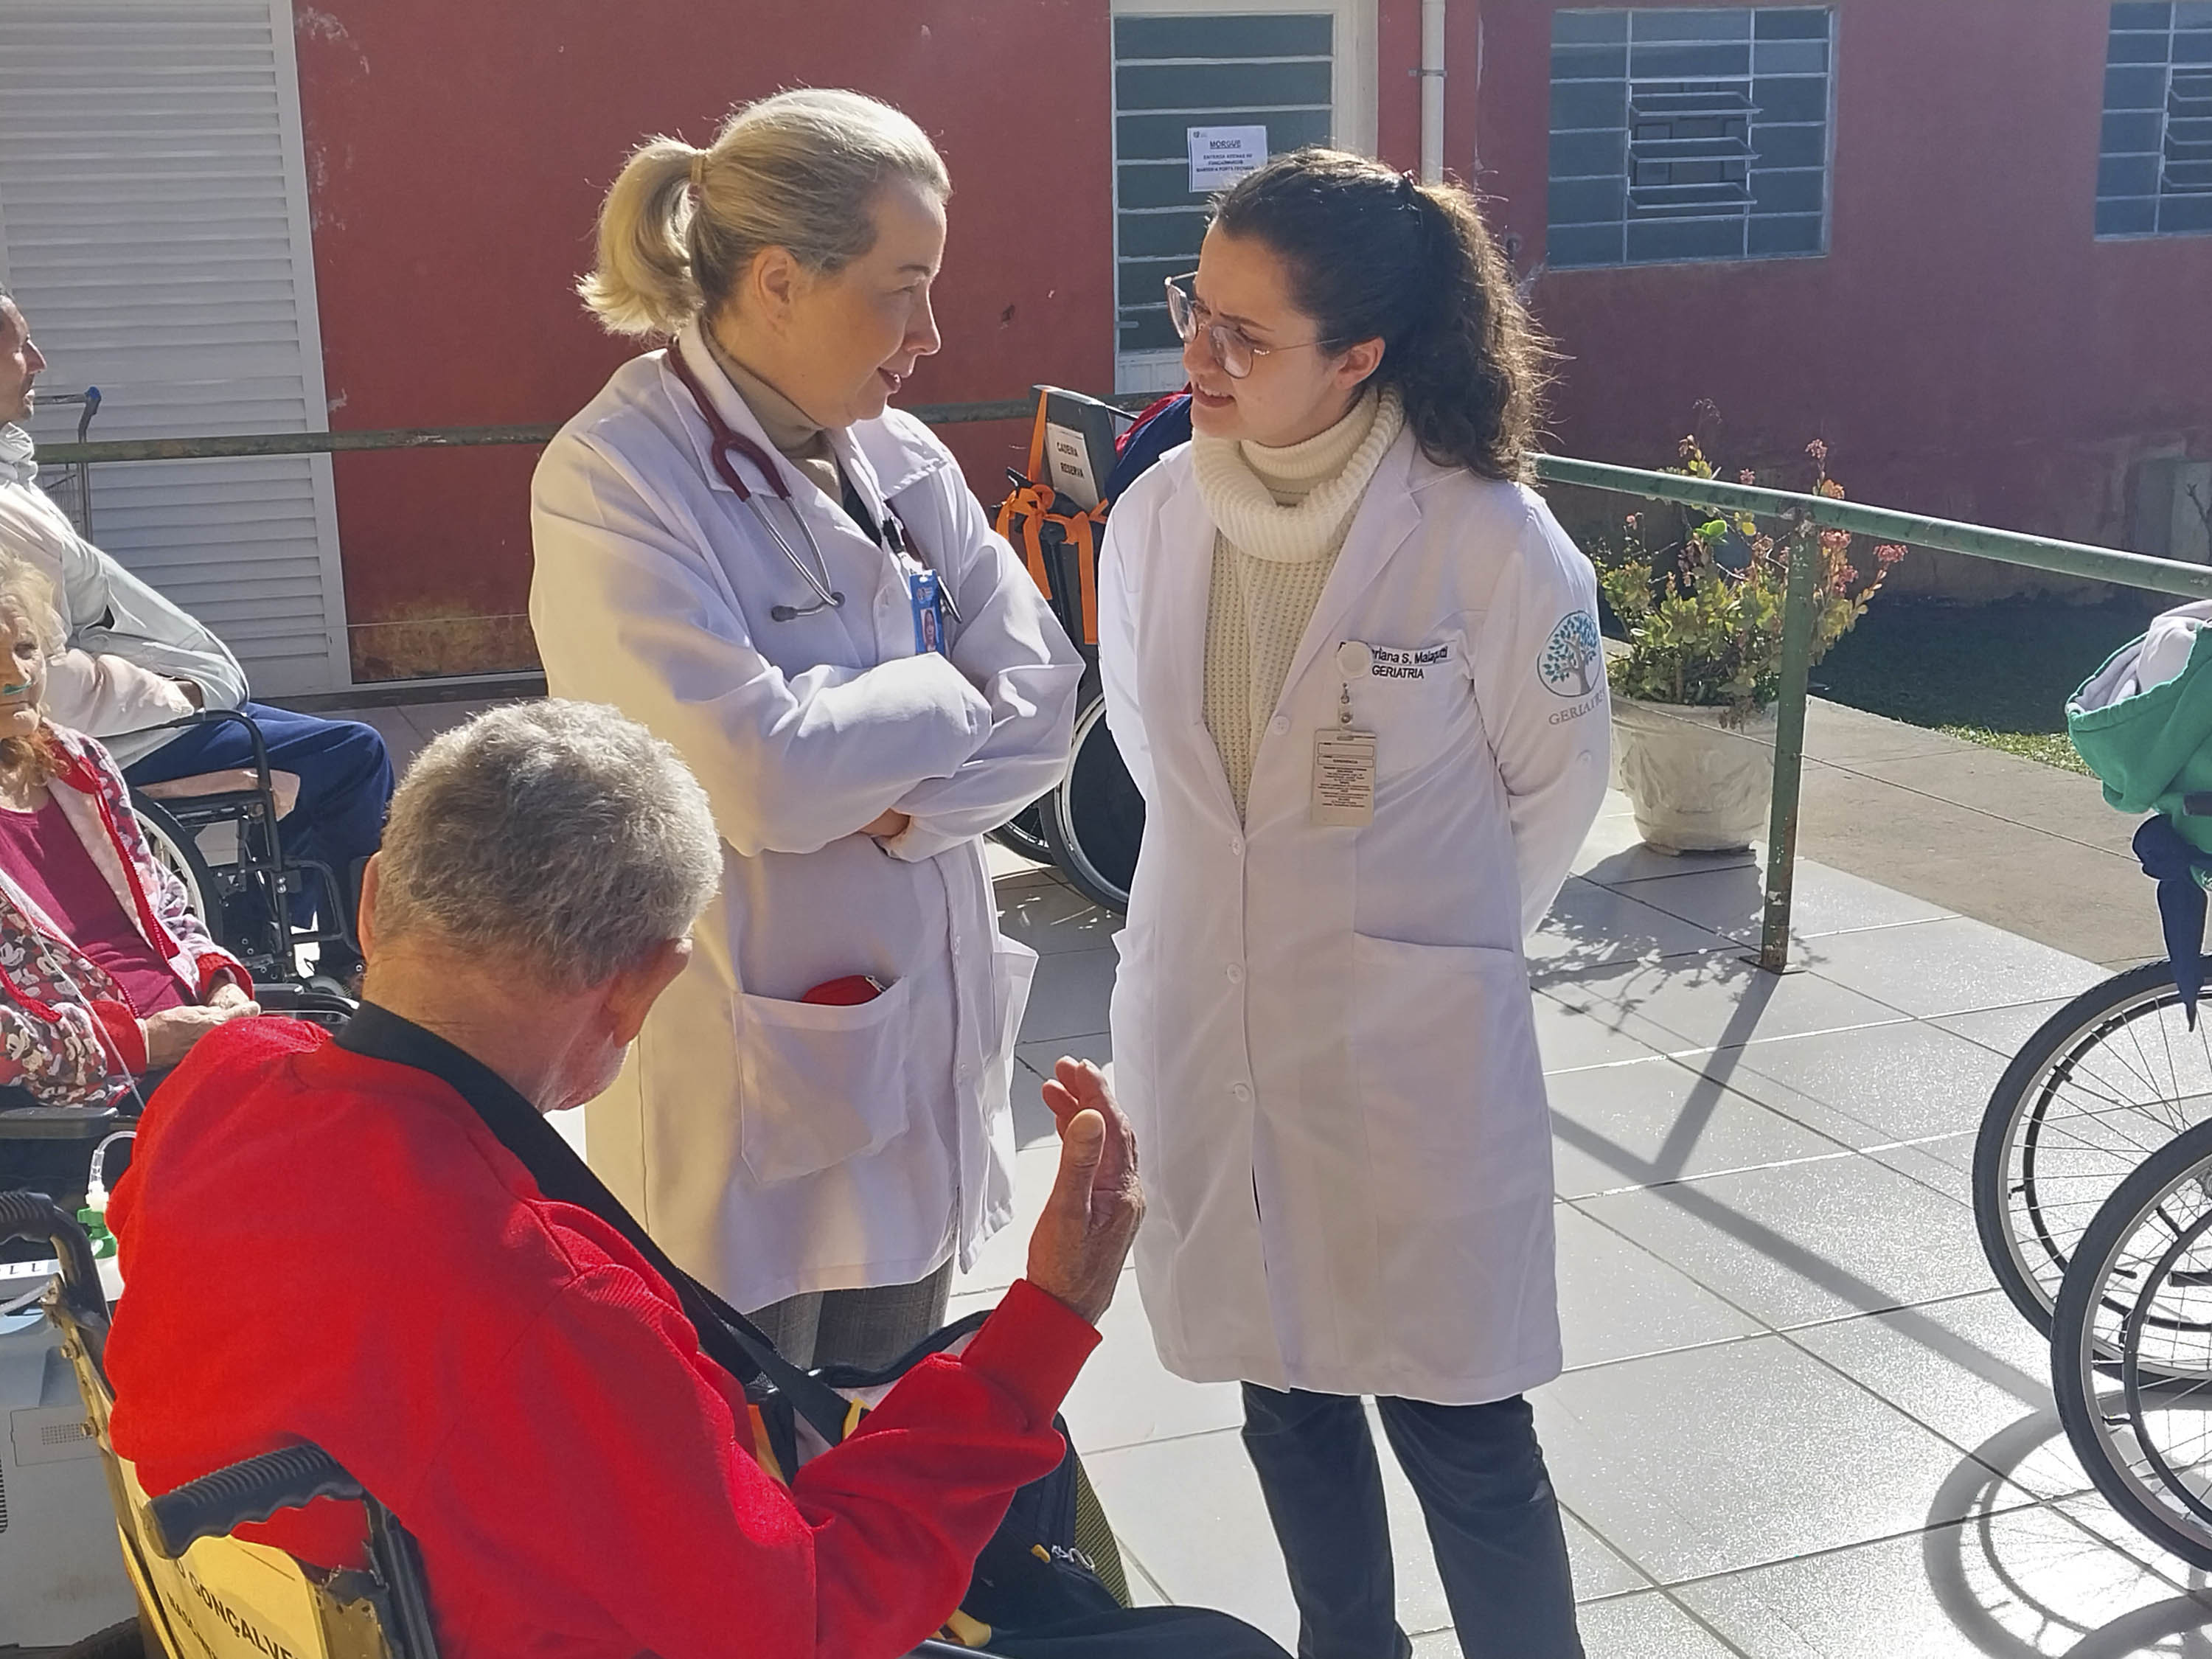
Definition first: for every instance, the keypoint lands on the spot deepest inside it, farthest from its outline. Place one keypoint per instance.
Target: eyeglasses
(1232, 348)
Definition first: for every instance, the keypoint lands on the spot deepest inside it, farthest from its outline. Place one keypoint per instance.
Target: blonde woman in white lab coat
(1353, 666)
(739, 545)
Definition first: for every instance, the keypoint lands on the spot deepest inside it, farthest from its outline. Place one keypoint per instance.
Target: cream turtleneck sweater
(1280, 517)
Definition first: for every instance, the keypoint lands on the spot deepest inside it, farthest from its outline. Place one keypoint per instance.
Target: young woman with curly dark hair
(1354, 665)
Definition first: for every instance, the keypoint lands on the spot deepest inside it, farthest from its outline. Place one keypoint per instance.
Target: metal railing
(1884, 524)
(1940, 535)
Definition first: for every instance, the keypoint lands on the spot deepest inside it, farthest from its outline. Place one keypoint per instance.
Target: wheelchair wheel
(173, 845)
(1094, 820)
(1023, 833)
(2131, 1347)
(2107, 1080)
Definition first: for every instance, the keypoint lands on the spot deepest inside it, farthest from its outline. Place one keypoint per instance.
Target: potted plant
(1693, 695)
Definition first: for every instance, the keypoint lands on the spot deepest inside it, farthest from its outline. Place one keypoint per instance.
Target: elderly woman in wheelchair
(105, 975)
(590, 1452)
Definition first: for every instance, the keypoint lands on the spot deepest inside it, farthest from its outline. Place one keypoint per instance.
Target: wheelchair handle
(34, 1215)
(216, 1504)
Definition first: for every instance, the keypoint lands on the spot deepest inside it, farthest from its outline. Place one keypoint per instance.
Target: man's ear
(632, 992)
(372, 877)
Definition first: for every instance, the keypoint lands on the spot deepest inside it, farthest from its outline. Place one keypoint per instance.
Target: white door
(153, 228)
(1306, 73)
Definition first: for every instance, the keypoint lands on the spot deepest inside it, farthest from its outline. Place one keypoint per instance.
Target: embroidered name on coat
(1398, 663)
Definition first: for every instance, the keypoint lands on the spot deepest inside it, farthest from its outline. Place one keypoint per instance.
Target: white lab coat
(774, 1146)
(1324, 1036)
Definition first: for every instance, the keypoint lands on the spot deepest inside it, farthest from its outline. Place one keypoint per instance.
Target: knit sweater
(1280, 517)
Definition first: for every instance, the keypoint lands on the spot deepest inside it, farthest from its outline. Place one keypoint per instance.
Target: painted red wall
(456, 155)
(1966, 347)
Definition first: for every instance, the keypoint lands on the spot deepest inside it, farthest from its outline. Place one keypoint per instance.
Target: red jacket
(321, 1245)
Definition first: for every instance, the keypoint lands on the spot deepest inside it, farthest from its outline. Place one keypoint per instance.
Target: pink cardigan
(68, 1035)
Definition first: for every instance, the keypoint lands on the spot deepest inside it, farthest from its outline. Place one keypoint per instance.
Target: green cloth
(2152, 748)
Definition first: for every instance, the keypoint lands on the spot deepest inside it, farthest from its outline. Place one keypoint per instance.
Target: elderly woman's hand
(229, 994)
(171, 1034)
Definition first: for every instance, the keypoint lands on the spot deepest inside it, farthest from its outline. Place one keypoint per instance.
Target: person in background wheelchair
(105, 972)
(134, 662)
(376, 1244)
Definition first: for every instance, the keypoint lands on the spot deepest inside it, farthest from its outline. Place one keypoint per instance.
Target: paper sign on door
(1219, 156)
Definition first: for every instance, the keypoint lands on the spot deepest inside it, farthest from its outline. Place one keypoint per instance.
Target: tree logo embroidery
(1571, 656)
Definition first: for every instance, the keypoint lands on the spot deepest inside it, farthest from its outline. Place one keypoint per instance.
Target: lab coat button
(1236, 846)
(1281, 724)
(1235, 973)
(1241, 1091)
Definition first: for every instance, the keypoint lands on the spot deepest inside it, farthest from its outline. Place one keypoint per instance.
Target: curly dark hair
(1372, 253)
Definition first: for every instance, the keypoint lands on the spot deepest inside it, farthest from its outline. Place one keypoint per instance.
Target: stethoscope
(729, 442)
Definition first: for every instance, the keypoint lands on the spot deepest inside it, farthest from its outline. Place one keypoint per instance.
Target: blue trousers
(1485, 1493)
(345, 780)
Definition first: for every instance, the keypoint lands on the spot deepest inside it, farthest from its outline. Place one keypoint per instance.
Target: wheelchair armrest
(55, 1122)
(216, 1504)
(34, 1215)
(303, 1001)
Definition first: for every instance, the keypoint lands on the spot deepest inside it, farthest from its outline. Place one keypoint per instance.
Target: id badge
(1343, 779)
(928, 611)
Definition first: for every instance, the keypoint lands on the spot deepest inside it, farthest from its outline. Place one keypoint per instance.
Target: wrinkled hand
(889, 823)
(1083, 1237)
(229, 994)
(171, 1034)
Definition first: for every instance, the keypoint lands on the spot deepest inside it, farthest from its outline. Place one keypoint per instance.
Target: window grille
(2154, 164)
(1689, 133)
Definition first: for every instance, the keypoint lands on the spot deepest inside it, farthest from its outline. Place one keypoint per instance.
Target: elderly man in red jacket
(376, 1242)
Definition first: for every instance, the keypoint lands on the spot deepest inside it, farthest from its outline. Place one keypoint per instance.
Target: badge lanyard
(1344, 756)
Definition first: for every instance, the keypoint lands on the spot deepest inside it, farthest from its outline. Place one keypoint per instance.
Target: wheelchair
(200, 1592)
(245, 894)
(1091, 823)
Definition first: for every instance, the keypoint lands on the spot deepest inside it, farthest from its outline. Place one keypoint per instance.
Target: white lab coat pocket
(1443, 1052)
(1409, 698)
(817, 1084)
(1459, 1156)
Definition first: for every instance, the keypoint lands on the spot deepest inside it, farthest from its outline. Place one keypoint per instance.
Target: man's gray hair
(557, 835)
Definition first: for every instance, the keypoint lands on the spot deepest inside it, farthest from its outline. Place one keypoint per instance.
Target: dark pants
(869, 1328)
(1130, 1633)
(345, 782)
(1486, 1494)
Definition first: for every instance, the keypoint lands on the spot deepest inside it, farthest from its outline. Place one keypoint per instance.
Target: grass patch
(1996, 674)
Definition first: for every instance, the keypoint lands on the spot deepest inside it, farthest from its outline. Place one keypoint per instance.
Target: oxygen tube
(95, 1214)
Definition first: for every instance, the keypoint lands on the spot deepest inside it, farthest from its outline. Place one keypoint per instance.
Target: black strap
(726, 1336)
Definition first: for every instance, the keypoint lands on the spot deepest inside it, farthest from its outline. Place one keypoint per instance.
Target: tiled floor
(1797, 1421)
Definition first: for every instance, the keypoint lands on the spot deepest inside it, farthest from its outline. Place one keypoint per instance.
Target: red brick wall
(456, 155)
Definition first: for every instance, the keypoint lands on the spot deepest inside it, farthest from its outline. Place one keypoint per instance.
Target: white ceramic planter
(1699, 785)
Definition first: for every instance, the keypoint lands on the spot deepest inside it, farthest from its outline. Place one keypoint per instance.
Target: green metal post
(1789, 750)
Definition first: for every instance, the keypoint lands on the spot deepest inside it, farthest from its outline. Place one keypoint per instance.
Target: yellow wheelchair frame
(202, 1593)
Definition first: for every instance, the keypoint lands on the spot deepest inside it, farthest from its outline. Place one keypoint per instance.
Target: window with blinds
(2154, 169)
(1689, 133)
(1171, 73)
(154, 225)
